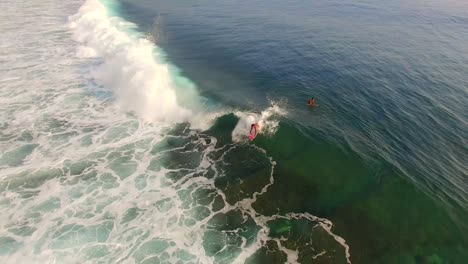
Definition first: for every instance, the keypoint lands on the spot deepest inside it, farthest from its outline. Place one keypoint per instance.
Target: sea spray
(268, 120)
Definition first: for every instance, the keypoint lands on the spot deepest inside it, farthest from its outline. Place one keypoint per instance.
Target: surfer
(312, 103)
(253, 131)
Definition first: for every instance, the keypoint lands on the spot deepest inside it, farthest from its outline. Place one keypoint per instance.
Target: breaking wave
(133, 67)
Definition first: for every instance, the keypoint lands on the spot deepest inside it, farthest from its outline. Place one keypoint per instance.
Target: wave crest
(131, 66)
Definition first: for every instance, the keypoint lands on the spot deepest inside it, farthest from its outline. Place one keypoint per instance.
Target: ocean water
(124, 124)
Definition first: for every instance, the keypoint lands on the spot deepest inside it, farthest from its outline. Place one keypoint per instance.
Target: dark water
(385, 157)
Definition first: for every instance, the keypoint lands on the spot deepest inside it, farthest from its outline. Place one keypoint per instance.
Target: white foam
(85, 52)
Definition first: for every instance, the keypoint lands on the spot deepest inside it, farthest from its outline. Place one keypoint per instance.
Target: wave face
(100, 160)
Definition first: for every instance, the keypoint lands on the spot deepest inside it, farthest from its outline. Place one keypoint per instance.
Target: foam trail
(132, 66)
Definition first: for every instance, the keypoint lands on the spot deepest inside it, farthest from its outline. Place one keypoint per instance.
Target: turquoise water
(123, 132)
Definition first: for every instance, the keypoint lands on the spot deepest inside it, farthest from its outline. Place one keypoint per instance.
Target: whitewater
(103, 154)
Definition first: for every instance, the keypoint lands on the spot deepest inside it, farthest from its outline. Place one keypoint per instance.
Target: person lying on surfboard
(312, 103)
(253, 131)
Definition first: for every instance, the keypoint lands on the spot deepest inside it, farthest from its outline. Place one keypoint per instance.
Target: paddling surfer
(312, 103)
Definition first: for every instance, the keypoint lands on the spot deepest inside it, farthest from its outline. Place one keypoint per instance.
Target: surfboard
(253, 132)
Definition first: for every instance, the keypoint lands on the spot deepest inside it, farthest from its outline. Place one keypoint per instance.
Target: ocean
(124, 131)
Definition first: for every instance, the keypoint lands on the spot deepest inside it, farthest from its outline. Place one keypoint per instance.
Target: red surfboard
(253, 131)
